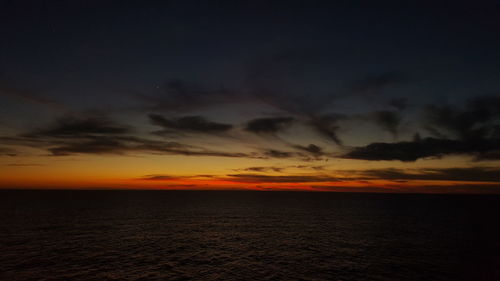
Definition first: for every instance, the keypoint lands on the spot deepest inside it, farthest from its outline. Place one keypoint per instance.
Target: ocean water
(231, 235)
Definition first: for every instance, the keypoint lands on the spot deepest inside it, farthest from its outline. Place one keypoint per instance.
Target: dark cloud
(279, 169)
(327, 126)
(268, 125)
(89, 147)
(479, 174)
(207, 152)
(7, 152)
(262, 169)
(474, 175)
(251, 178)
(272, 86)
(489, 155)
(99, 135)
(361, 187)
(88, 135)
(159, 177)
(478, 119)
(278, 154)
(71, 127)
(387, 120)
(473, 130)
(466, 188)
(409, 151)
(254, 178)
(126, 145)
(311, 148)
(271, 80)
(317, 168)
(196, 124)
(434, 132)
(453, 188)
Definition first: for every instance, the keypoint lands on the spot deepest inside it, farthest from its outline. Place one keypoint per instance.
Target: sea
(247, 235)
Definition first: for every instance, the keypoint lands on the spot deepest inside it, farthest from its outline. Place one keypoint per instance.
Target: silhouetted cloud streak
(409, 151)
(278, 154)
(479, 119)
(71, 127)
(7, 152)
(327, 126)
(311, 148)
(263, 169)
(254, 178)
(99, 135)
(269, 126)
(197, 124)
(473, 130)
(479, 174)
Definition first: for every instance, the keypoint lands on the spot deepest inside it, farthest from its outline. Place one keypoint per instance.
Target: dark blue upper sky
(87, 52)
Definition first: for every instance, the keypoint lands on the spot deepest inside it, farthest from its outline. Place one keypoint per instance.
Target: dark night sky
(340, 74)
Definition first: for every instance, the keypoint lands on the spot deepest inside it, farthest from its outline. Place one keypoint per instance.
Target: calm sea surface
(217, 235)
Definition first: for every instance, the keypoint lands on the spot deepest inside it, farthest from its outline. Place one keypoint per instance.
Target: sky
(350, 96)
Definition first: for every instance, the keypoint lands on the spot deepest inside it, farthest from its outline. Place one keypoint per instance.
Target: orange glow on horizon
(222, 183)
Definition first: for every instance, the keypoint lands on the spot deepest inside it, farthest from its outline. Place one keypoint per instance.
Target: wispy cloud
(193, 124)
(7, 152)
(328, 126)
(475, 174)
(268, 126)
(273, 153)
(311, 149)
(254, 178)
(473, 131)
(100, 135)
(479, 119)
(73, 127)
(262, 169)
(471, 179)
(409, 151)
